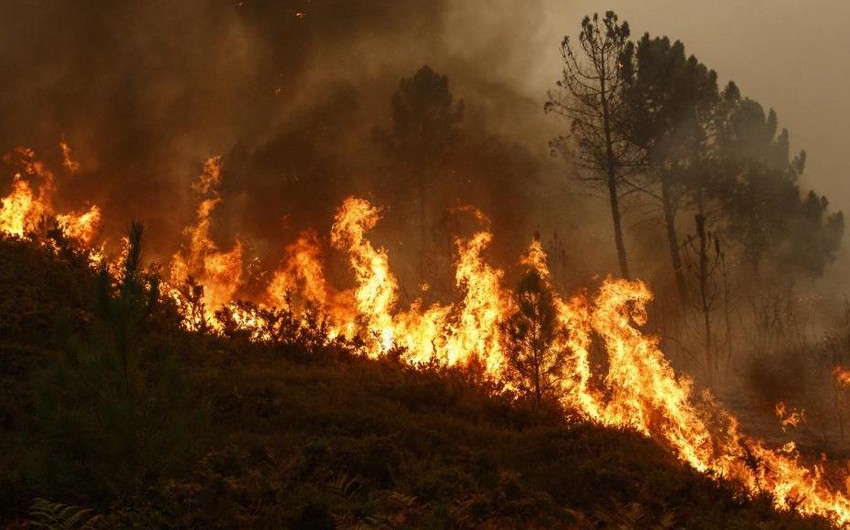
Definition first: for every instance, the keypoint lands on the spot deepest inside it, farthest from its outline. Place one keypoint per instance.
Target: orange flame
(30, 201)
(375, 295)
(842, 375)
(219, 272)
(82, 227)
(788, 417)
(68, 161)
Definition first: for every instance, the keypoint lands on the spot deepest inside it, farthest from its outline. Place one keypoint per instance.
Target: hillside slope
(299, 437)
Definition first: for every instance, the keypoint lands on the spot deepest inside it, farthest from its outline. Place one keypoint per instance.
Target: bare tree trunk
(618, 229)
(673, 238)
(423, 227)
(611, 170)
(703, 289)
(755, 243)
(726, 311)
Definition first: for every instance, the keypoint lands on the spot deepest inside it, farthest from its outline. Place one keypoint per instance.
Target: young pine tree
(111, 413)
(535, 362)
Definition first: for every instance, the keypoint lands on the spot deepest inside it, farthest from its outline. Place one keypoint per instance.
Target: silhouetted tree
(763, 208)
(705, 259)
(529, 339)
(590, 96)
(671, 100)
(425, 123)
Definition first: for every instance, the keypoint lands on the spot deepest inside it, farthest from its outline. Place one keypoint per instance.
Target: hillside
(303, 437)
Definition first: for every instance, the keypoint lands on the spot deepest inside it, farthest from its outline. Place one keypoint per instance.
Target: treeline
(646, 118)
(651, 129)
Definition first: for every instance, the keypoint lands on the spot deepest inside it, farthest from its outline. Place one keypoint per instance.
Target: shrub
(111, 412)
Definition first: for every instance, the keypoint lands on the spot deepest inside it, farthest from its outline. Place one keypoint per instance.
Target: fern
(344, 486)
(58, 516)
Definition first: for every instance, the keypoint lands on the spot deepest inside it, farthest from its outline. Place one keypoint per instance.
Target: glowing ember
(842, 376)
(788, 417)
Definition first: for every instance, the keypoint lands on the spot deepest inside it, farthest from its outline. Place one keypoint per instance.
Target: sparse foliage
(590, 96)
(50, 515)
(529, 336)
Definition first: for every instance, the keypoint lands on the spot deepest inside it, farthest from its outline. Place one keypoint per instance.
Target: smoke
(289, 92)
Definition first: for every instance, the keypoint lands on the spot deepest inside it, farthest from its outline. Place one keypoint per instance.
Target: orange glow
(30, 202)
(219, 272)
(842, 376)
(789, 417)
(68, 161)
(638, 389)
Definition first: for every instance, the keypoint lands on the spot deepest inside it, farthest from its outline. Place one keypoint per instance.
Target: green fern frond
(346, 486)
(51, 515)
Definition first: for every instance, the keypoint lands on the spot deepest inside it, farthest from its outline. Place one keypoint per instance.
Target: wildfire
(639, 390)
(30, 203)
(220, 273)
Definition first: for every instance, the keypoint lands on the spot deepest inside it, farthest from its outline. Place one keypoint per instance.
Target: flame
(638, 390)
(21, 211)
(82, 227)
(30, 201)
(375, 295)
(218, 271)
(475, 333)
(454, 335)
(68, 161)
(303, 273)
(788, 417)
(842, 376)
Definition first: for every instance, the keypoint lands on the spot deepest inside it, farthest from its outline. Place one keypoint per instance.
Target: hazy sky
(791, 55)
